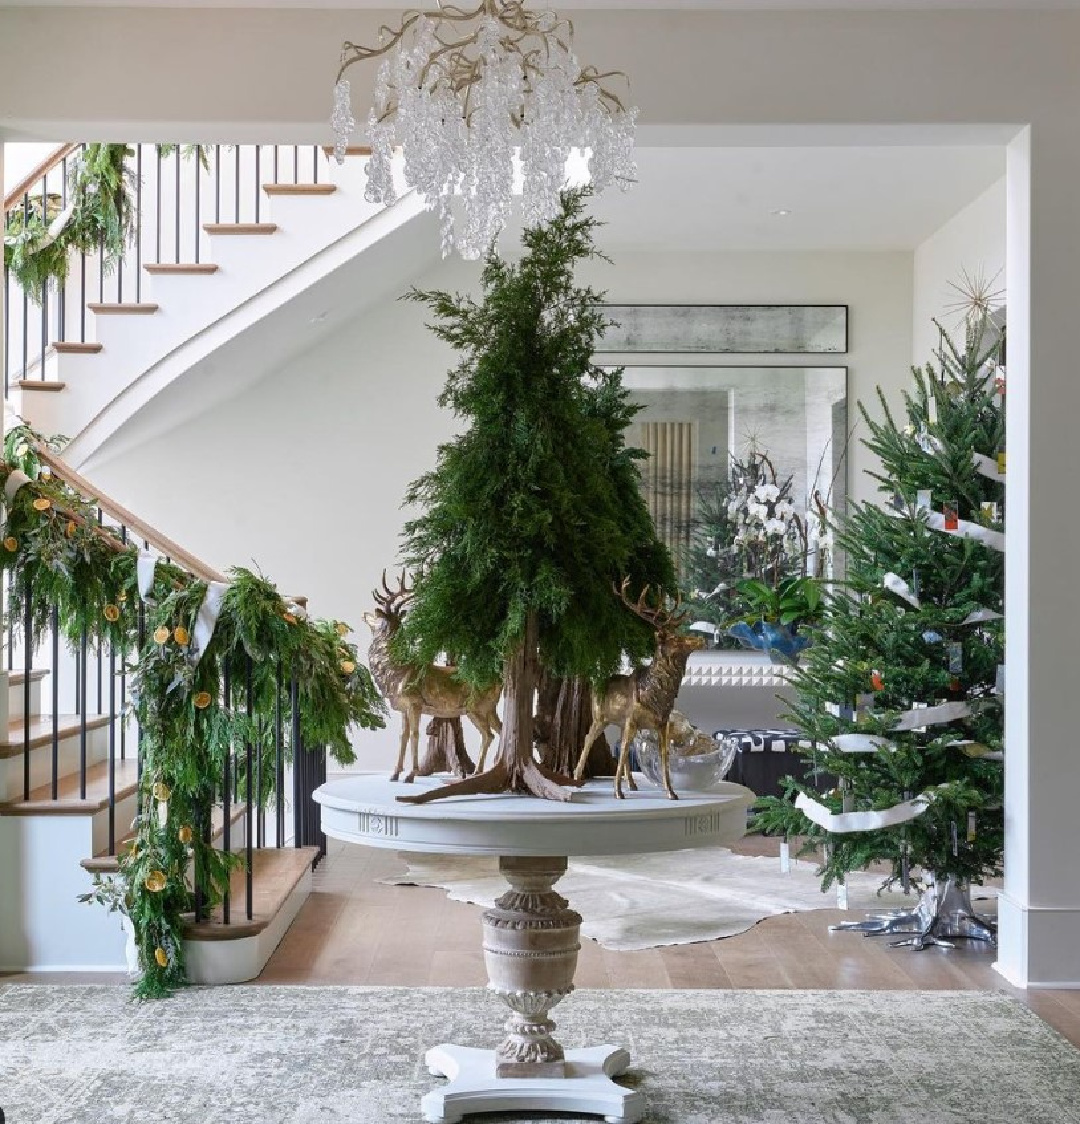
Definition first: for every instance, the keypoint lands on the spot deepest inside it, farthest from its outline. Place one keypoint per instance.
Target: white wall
(305, 473)
(972, 241)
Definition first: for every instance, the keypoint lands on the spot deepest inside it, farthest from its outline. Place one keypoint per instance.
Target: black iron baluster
(28, 667)
(140, 641)
(82, 714)
(217, 183)
(100, 707)
(276, 147)
(123, 672)
(297, 762)
(314, 163)
(61, 288)
(101, 268)
(177, 203)
(10, 623)
(138, 243)
(248, 766)
(44, 328)
(296, 163)
(54, 624)
(157, 213)
(198, 199)
(227, 782)
(7, 331)
(26, 299)
(202, 833)
(82, 296)
(112, 750)
(258, 185)
(236, 185)
(279, 761)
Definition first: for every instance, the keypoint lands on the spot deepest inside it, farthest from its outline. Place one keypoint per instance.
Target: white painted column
(1040, 908)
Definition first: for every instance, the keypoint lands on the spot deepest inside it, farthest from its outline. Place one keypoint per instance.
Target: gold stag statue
(416, 691)
(644, 699)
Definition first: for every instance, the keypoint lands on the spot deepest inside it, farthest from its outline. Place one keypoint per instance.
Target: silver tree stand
(942, 915)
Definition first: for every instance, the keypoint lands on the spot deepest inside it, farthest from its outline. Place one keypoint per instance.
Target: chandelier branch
(485, 103)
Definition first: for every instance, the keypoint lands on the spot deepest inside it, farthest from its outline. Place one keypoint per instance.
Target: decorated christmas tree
(532, 516)
(900, 696)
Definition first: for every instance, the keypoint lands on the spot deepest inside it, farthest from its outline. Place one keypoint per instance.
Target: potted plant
(774, 614)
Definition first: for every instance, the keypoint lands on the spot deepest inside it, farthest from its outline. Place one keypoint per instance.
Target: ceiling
(573, 5)
(850, 198)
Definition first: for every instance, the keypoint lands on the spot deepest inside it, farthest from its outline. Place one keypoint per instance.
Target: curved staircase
(69, 779)
(218, 251)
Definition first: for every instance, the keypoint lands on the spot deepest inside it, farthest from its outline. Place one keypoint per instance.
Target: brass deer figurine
(416, 691)
(645, 698)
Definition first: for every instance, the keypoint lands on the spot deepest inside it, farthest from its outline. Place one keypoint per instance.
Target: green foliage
(877, 655)
(536, 506)
(190, 712)
(39, 241)
(794, 600)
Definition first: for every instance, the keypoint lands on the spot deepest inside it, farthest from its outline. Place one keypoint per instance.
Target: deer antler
(391, 600)
(661, 619)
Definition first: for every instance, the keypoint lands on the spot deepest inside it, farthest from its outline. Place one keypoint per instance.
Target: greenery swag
(61, 559)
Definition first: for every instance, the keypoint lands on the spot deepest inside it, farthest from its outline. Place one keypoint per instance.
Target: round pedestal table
(530, 937)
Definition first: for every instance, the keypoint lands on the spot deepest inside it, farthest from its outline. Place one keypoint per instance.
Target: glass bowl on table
(696, 761)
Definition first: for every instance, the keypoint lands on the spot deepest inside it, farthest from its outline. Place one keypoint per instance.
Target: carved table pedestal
(531, 936)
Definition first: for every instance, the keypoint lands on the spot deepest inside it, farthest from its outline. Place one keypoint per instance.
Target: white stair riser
(124, 817)
(16, 699)
(11, 768)
(43, 925)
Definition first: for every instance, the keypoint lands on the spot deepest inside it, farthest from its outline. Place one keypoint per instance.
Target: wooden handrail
(14, 198)
(110, 506)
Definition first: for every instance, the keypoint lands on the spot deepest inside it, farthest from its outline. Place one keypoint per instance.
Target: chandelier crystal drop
(484, 102)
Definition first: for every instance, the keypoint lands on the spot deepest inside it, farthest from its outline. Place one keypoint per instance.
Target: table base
(586, 1088)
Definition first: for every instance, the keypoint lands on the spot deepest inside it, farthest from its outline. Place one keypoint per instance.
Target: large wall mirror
(701, 426)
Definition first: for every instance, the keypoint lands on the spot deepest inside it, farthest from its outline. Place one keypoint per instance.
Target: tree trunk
(563, 718)
(515, 769)
(446, 752)
(519, 684)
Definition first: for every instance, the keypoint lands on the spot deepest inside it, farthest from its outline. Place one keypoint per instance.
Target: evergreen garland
(60, 556)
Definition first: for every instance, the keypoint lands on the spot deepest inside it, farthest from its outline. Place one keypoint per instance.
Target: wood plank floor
(353, 930)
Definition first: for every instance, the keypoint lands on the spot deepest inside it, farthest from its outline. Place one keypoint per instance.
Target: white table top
(364, 809)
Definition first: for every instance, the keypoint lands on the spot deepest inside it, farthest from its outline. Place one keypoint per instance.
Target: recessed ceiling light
(781, 212)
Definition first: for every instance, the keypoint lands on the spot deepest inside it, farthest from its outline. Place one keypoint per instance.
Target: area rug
(354, 1055)
(632, 902)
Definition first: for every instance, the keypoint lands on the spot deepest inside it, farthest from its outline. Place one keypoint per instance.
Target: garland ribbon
(206, 620)
(145, 566)
(965, 529)
(840, 823)
(896, 584)
(987, 466)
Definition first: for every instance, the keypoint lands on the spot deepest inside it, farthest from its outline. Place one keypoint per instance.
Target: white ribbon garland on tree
(965, 529)
(841, 823)
(987, 466)
(896, 584)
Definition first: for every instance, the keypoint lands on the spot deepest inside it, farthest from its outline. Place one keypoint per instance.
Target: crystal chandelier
(482, 101)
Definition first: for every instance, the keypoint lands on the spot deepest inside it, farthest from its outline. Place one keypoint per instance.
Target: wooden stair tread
(275, 873)
(17, 678)
(144, 308)
(182, 268)
(299, 188)
(41, 384)
(104, 863)
(240, 227)
(351, 150)
(41, 731)
(68, 801)
(75, 347)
